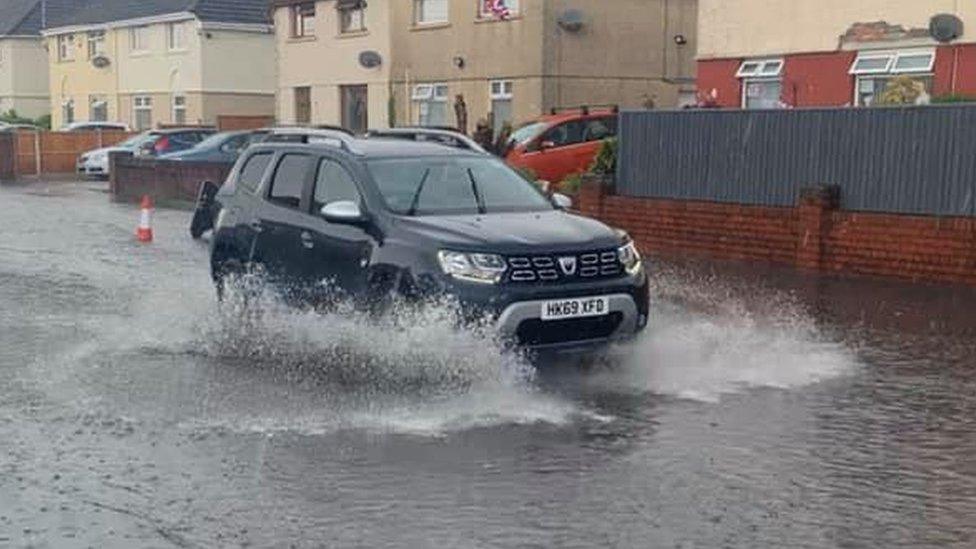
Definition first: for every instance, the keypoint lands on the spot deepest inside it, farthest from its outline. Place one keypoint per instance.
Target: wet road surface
(763, 408)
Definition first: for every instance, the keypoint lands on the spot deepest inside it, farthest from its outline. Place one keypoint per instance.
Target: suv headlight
(481, 268)
(630, 258)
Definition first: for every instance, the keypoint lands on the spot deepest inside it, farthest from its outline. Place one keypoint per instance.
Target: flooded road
(763, 408)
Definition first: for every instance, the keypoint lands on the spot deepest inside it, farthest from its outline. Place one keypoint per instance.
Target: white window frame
(139, 39)
(761, 68)
(141, 103)
(891, 67)
(505, 89)
(65, 49)
(485, 13)
(357, 22)
(176, 36)
(301, 15)
(420, 17)
(745, 88)
(179, 106)
(434, 92)
(96, 43)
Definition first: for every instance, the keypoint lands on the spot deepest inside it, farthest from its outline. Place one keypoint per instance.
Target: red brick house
(831, 53)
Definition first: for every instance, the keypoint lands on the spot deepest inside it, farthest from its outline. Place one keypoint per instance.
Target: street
(763, 408)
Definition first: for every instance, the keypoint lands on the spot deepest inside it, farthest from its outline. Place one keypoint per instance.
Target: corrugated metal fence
(919, 160)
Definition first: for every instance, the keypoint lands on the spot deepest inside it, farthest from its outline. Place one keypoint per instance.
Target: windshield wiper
(416, 196)
(477, 195)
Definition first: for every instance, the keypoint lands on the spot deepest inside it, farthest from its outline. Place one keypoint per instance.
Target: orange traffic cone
(144, 232)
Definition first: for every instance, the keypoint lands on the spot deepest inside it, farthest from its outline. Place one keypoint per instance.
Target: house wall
(23, 77)
(746, 28)
(330, 60)
(626, 55)
(77, 79)
(237, 73)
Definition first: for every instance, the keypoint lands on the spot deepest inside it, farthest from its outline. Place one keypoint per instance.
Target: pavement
(763, 408)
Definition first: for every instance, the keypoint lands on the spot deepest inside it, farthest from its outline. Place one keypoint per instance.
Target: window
(235, 144)
(501, 104)
(876, 70)
(333, 184)
(139, 39)
(96, 44)
(174, 35)
(253, 171)
(430, 101)
(429, 11)
(303, 105)
(355, 108)
(303, 20)
(569, 133)
(762, 87)
(289, 180)
(179, 109)
(142, 112)
(68, 111)
(65, 51)
(352, 16)
(498, 8)
(98, 111)
(767, 68)
(598, 129)
(454, 185)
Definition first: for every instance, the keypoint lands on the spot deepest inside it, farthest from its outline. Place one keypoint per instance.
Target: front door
(355, 108)
(337, 261)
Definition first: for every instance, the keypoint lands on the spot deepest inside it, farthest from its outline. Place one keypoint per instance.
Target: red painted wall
(818, 80)
(959, 60)
(718, 76)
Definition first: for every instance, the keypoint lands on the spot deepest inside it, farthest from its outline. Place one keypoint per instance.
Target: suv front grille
(584, 266)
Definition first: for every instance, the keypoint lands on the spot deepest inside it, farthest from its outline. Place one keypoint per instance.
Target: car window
(567, 133)
(463, 185)
(599, 129)
(253, 171)
(332, 184)
(527, 132)
(289, 180)
(235, 144)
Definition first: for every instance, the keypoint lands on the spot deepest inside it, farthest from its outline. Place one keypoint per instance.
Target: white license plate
(585, 307)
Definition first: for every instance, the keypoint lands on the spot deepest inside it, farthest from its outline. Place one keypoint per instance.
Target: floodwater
(763, 408)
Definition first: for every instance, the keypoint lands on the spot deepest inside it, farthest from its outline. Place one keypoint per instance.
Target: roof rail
(312, 136)
(585, 109)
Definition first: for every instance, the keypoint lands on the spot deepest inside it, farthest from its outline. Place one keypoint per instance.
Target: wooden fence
(8, 157)
(39, 153)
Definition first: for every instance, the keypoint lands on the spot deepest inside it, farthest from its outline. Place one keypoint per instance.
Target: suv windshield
(441, 186)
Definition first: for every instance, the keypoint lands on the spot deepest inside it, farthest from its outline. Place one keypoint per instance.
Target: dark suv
(368, 219)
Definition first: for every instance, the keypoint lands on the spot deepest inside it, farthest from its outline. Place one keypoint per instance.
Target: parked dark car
(173, 140)
(219, 148)
(373, 219)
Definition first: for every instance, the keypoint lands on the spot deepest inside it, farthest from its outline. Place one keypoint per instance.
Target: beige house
(23, 61)
(406, 62)
(153, 63)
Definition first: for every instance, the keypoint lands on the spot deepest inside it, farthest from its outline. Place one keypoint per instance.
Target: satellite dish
(571, 20)
(945, 27)
(370, 59)
(100, 62)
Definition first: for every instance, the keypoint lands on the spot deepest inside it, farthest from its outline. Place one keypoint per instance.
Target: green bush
(11, 117)
(572, 184)
(605, 163)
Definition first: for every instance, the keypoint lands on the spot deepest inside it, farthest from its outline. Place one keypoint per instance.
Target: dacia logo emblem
(568, 265)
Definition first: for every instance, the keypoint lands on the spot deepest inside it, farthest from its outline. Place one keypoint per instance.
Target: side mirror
(562, 201)
(342, 211)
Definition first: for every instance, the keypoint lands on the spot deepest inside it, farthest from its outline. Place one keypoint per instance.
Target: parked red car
(562, 143)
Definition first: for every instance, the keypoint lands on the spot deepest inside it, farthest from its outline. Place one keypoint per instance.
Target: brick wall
(813, 235)
(162, 180)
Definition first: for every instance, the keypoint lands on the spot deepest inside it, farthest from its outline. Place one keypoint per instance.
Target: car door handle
(307, 240)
